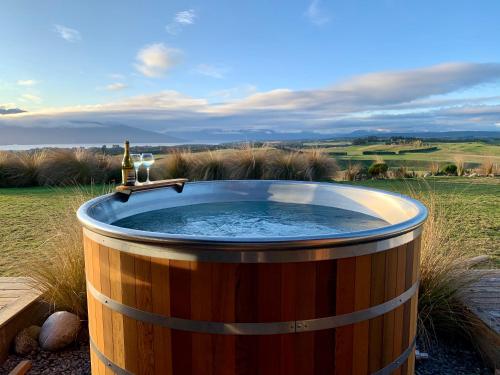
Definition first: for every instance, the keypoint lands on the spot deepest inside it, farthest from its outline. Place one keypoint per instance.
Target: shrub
(378, 169)
(209, 166)
(450, 170)
(249, 163)
(319, 166)
(337, 153)
(418, 150)
(352, 172)
(402, 172)
(379, 152)
(285, 166)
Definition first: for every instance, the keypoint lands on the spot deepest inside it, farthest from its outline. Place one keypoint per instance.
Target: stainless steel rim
(252, 256)
(268, 328)
(226, 243)
(387, 370)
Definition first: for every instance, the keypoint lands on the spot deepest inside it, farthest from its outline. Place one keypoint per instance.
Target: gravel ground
(443, 360)
(73, 361)
(452, 359)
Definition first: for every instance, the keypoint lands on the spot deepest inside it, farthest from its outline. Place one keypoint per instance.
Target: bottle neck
(127, 149)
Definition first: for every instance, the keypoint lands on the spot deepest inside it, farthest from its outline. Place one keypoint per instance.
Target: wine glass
(147, 160)
(137, 160)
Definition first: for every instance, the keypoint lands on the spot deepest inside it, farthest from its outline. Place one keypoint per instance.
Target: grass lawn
(473, 203)
(24, 215)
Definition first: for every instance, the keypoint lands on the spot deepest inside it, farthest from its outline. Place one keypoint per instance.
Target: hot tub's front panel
(151, 315)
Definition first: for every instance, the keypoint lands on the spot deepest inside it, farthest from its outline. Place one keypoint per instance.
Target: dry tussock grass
(69, 167)
(178, 164)
(489, 167)
(58, 268)
(21, 169)
(249, 163)
(285, 166)
(444, 271)
(352, 172)
(209, 166)
(435, 168)
(459, 162)
(319, 166)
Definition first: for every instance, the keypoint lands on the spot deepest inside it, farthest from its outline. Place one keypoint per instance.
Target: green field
(472, 153)
(473, 206)
(26, 215)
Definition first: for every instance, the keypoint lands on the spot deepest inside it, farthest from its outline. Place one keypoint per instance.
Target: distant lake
(79, 145)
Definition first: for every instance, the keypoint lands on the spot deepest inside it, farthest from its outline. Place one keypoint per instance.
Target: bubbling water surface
(259, 219)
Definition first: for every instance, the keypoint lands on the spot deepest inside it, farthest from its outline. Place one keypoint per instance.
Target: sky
(289, 66)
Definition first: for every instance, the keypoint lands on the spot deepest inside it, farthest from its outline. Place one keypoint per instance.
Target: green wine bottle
(128, 173)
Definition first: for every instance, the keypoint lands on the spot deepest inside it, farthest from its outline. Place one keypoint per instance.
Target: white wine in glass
(148, 160)
(137, 160)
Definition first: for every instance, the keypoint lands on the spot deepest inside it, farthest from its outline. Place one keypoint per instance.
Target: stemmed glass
(137, 160)
(148, 160)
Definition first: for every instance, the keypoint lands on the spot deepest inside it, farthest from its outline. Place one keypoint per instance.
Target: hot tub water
(251, 219)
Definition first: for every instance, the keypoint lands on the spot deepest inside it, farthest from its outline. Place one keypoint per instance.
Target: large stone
(59, 330)
(26, 340)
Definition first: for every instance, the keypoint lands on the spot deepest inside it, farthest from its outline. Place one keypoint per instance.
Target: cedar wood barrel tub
(181, 305)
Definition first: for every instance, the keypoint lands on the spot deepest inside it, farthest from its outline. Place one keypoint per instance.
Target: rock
(59, 330)
(33, 332)
(24, 342)
(427, 174)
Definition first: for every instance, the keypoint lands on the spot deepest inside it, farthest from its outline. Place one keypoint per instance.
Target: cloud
(375, 90)
(185, 17)
(27, 82)
(68, 34)
(156, 59)
(31, 98)
(210, 71)
(181, 19)
(416, 99)
(5, 110)
(234, 93)
(315, 14)
(116, 86)
(117, 76)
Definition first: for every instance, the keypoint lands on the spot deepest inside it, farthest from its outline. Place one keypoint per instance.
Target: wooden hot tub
(167, 304)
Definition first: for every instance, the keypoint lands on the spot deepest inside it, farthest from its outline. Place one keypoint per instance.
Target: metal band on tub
(267, 328)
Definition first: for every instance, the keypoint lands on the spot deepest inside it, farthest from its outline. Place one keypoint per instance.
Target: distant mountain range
(105, 133)
(220, 136)
(17, 135)
(459, 135)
